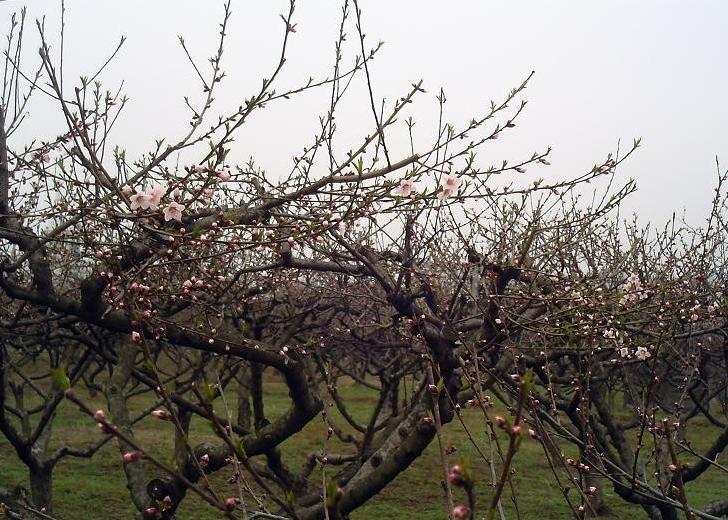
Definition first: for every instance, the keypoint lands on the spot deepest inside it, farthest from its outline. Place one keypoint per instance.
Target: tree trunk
(41, 487)
(244, 382)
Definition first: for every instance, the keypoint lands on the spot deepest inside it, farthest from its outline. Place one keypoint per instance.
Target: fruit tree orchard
(443, 285)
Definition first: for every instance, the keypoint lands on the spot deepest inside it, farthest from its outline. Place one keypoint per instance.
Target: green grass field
(83, 487)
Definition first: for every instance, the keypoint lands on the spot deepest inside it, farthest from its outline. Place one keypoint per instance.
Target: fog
(604, 71)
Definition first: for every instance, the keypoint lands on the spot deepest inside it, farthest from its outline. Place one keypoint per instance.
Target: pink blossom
(449, 185)
(405, 188)
(126, 189)
(450, 181)
(99, 415)
(642, 353)
(173, 211)
(154, 197)
(136, 337)
(139, 200)
(223, 174)
(460, 512)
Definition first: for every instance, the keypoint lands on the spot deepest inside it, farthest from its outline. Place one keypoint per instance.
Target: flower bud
(132, 456)
(164, 415)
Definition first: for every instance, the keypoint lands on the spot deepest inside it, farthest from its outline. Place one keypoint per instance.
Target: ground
(84, 487)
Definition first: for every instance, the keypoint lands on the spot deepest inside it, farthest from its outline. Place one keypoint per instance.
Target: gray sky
(604, 71)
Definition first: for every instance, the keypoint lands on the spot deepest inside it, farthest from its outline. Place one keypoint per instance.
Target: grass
(84, 486)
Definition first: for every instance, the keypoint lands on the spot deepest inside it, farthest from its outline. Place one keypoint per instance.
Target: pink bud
(455, 476)
(516, 430)
(672, 468)
(433, 389)
(230, 503)
(99, 415)
(164, 415)
(460, 512)
(132, 456)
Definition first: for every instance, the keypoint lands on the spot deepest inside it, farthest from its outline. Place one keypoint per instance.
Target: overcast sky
(604, 71)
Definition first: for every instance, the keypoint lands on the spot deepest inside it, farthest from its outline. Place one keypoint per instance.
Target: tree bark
(41, 487)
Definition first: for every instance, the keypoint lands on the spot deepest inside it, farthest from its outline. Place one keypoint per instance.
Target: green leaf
(332, 493)
(60, 378)
(240, 449)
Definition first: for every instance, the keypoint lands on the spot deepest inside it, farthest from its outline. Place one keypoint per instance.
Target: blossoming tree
(439, 283)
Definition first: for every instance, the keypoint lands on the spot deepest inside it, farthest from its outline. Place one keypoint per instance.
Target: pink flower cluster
(151, 198)
(449, 185)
